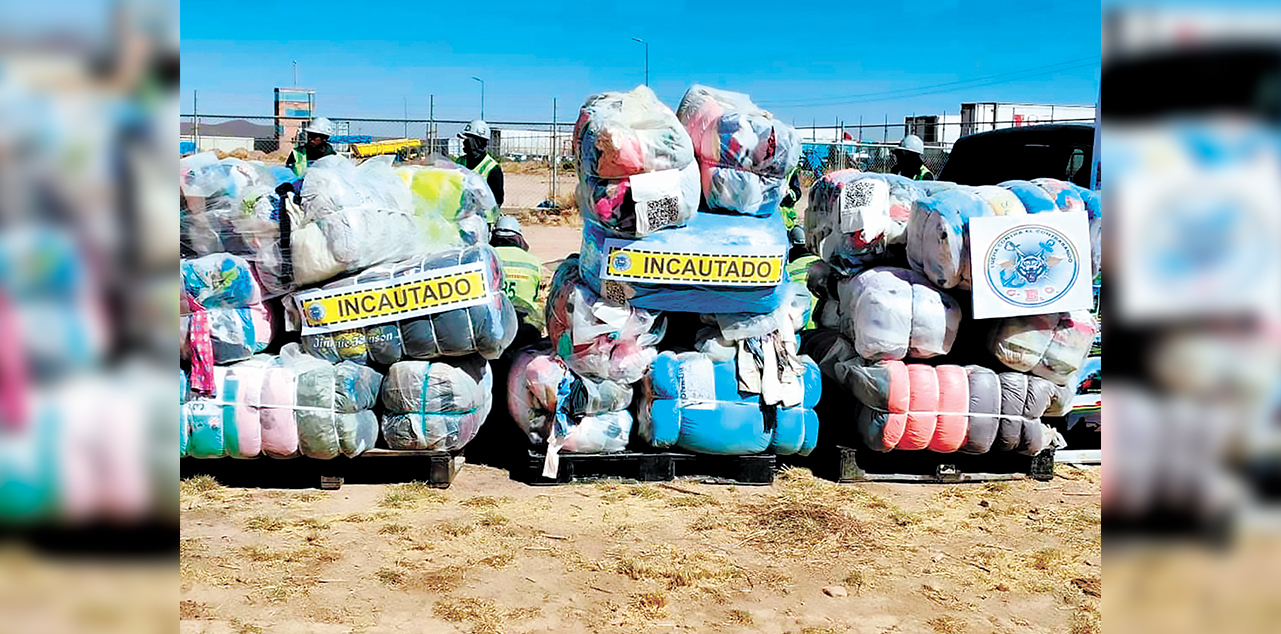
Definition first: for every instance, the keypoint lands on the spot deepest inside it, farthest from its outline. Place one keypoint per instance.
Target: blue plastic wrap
(693, 403)
(706, 233)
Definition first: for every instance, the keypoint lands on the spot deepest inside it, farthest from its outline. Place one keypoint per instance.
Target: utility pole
(431, 114)
(482, 96)
(195, 116)
(637, 39)
(406, 100)
(554, 153)
(295, 73)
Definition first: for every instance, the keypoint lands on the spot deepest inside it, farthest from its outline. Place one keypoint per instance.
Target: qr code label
(614, 293)
(865, 207)
(660, 213)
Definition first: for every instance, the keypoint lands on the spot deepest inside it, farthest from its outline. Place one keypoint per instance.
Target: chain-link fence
(537, 157)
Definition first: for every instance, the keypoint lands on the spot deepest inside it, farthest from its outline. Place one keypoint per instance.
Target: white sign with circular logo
(1030, 264)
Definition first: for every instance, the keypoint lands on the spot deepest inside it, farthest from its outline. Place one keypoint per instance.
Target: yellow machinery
(405, 149)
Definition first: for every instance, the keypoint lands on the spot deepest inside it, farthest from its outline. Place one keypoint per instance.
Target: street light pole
(295, 73)
(482, 96)
(637, 39)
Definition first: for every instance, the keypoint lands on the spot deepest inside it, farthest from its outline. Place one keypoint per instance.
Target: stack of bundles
(690, 401)
(744, 153)
(947, 408)
(436, 405)
(284, 406)
(600, 340)
(449, 304)
(568, 413)
(938, 238)
(222, 315)
(636, 165)
(453, 202)
(891, 313)
(854, 216)
(1053, 346)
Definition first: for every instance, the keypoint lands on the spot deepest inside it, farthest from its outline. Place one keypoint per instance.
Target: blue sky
(806, 62)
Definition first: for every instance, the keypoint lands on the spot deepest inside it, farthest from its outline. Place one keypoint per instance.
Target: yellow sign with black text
(626, 263)
(329, 310)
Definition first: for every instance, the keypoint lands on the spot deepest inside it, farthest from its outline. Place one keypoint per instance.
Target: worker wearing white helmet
(909, 159)
(316, 147)
(475, 141)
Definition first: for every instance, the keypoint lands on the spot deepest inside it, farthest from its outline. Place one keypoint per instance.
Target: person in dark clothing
(475, 141)
(909, 159)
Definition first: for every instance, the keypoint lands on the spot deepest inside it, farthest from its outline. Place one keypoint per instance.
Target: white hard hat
(508, 224)
(912, 143)
(477, 128)
(320, 125)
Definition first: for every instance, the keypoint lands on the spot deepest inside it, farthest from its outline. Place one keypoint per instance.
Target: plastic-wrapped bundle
(852, 215)
(222, 316)
(436, 404)
(744, 153)
(947, 408)
(938, 237)
(184, 425)
(1053, 347)
(220, 200)
(694, 403)
(1048, 195)
(597, 339)
(892, 313)
(52, 312)
(484, 324)
(284, 406)
(643, 203)
(621, 134)
(454, 203)
(554, 406)
(717, 263)
(353, 217)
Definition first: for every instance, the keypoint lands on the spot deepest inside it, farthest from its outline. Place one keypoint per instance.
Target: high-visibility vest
(300, 162)
(789, 213)
(798, 271)
(523, 274)
(925, 171)
(483, 168)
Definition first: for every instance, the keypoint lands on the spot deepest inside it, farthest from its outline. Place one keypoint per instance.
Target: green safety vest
(300, 162)
(789, 213)
(485, 166)
(924, 172)
(798, 271)
(523, 275)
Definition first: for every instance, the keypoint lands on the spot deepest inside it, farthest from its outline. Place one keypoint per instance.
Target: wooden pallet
(848, 464)
(376, 466)
(647, 466)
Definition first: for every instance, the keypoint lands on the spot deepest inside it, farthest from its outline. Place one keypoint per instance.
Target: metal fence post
(553, 154)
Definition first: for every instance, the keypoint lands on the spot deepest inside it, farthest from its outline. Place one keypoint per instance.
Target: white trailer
(984, 116)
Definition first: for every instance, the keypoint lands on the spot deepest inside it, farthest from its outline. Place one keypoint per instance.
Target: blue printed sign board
(1030, 265)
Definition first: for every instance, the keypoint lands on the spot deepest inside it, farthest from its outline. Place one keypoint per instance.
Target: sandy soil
(490, 555)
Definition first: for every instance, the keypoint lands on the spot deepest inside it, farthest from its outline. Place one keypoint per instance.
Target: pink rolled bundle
(923, 405)
(621, 154)
(899, 399)
(276, 413)
(248, 428)
(954, 397)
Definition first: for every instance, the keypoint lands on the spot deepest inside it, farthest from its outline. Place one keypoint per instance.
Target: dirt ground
(490, 555)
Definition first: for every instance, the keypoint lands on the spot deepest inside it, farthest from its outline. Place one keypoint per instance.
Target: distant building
(985, 116)
(294, 108)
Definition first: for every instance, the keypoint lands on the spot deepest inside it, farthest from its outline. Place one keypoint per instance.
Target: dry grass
(1045, 558)
(393, 529)
(740, 617)
(492, 519)
(390, 577)
(692, 501)
(497, 561)
(636, 491)
(677, 568)
(1086, 621)
(199, 485)
(854, 580)
(1091, 586)
(484, 502)
(264, 523)
(440, 581)
(942, 598)
(357, 518)
(484, 616)
(240, 627)
(948, 625)
(791, 524)
(650, 604)
(456, 529)
(189, 610)
(312, 523)
(408, 495)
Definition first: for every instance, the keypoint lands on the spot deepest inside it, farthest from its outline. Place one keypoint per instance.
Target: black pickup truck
(1057, 150)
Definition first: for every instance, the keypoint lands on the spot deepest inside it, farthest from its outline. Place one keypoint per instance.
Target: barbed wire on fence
(537, 156)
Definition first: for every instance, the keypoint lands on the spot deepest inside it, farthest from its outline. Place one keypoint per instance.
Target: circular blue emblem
(622, 262)
(315, 312)
(1031, 265)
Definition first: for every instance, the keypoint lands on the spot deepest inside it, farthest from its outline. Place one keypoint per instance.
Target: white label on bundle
(865, 206)
(1030, 265)
(658, 200)
(697, 380)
